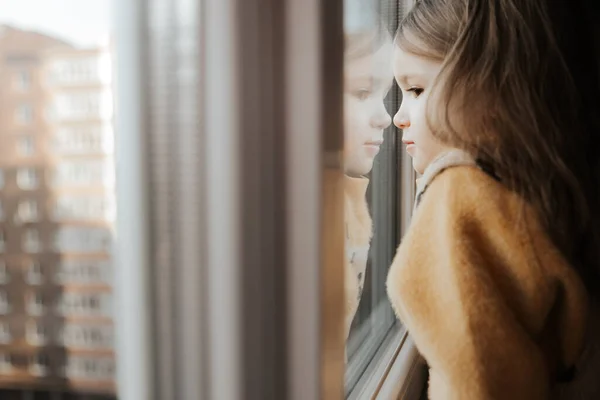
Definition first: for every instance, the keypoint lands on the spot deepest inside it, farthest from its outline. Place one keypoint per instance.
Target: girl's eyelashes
(362, 94)
(415, 91)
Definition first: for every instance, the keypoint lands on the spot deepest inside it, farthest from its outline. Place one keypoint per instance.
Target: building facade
(57, 211)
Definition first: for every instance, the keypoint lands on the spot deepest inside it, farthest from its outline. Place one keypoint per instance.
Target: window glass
(57, 198)
(371, 164)
(27, 178)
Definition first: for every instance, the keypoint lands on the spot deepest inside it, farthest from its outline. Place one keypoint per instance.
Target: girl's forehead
(378, 62)
(407, 65)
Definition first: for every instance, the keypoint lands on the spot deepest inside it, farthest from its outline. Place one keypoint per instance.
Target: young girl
(367, 79)
(497, 275)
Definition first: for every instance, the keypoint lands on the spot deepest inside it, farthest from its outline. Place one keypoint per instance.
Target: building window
(34, 273)
(39, 365)
(86, 336)
(31, 241)
(23, 80)
(78, 272)
(4, 278)
(36, 333)
(72, 304)
(24, 114)
(5, 336)
(26, 146)
(27, 211)
(5, 363)
(27, 178)
(1, 178)
(82, 239)
(4, 302)
(2, 241)
(35, 304)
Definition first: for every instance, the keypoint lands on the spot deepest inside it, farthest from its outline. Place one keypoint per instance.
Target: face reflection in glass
(368, 78)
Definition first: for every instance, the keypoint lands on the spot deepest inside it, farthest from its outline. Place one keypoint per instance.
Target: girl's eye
(362, 94)
(415, 91)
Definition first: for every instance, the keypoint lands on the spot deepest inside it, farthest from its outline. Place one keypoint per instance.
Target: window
(24, 114)
(91, 139)
(39, 365)
(4, 276)
(27, 211)
(75, 71)
(23, 80)
(82, 239)
(36, 333)
(26, 146)
(1, 178)
(31, 241)
(79, 106)
(368, 30)
(5, 336)
(83, 303)
(4, 302)
(5, 363)
(97, 368)
(35, 303)
(34, 273)
(83, 271)
(2, 241)
(87, 336)
(77, 173)
(86, 208)
(27, 178)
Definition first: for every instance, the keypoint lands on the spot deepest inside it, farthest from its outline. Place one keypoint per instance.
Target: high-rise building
(56, 214)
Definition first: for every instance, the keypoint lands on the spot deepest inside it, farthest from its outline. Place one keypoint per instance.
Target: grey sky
(81, 22)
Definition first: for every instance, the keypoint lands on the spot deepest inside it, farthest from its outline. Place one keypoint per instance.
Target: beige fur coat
(491, 304)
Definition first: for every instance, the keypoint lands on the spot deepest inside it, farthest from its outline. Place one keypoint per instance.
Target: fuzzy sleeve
(466, 285)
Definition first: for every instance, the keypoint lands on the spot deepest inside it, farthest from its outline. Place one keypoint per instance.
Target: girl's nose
(401, 121)
(382, 120)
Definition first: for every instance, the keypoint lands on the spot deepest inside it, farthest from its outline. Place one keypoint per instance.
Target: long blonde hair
(511, 99)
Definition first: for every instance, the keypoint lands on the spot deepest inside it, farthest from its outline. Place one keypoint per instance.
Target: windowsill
(397, 372)
(370, 381)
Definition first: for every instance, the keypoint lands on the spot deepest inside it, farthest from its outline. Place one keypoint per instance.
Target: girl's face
(415, 76)
(367, 81)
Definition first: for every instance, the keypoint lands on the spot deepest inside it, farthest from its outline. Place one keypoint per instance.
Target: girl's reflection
(367, 79)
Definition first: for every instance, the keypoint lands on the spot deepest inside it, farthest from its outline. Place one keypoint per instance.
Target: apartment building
(56, 215)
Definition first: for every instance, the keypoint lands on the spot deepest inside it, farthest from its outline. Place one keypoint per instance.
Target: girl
(497, 275)
(367, 79)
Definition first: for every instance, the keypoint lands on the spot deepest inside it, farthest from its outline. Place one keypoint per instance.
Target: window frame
(299, 75)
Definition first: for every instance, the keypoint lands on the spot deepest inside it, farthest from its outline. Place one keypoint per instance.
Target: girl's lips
(372, 149)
